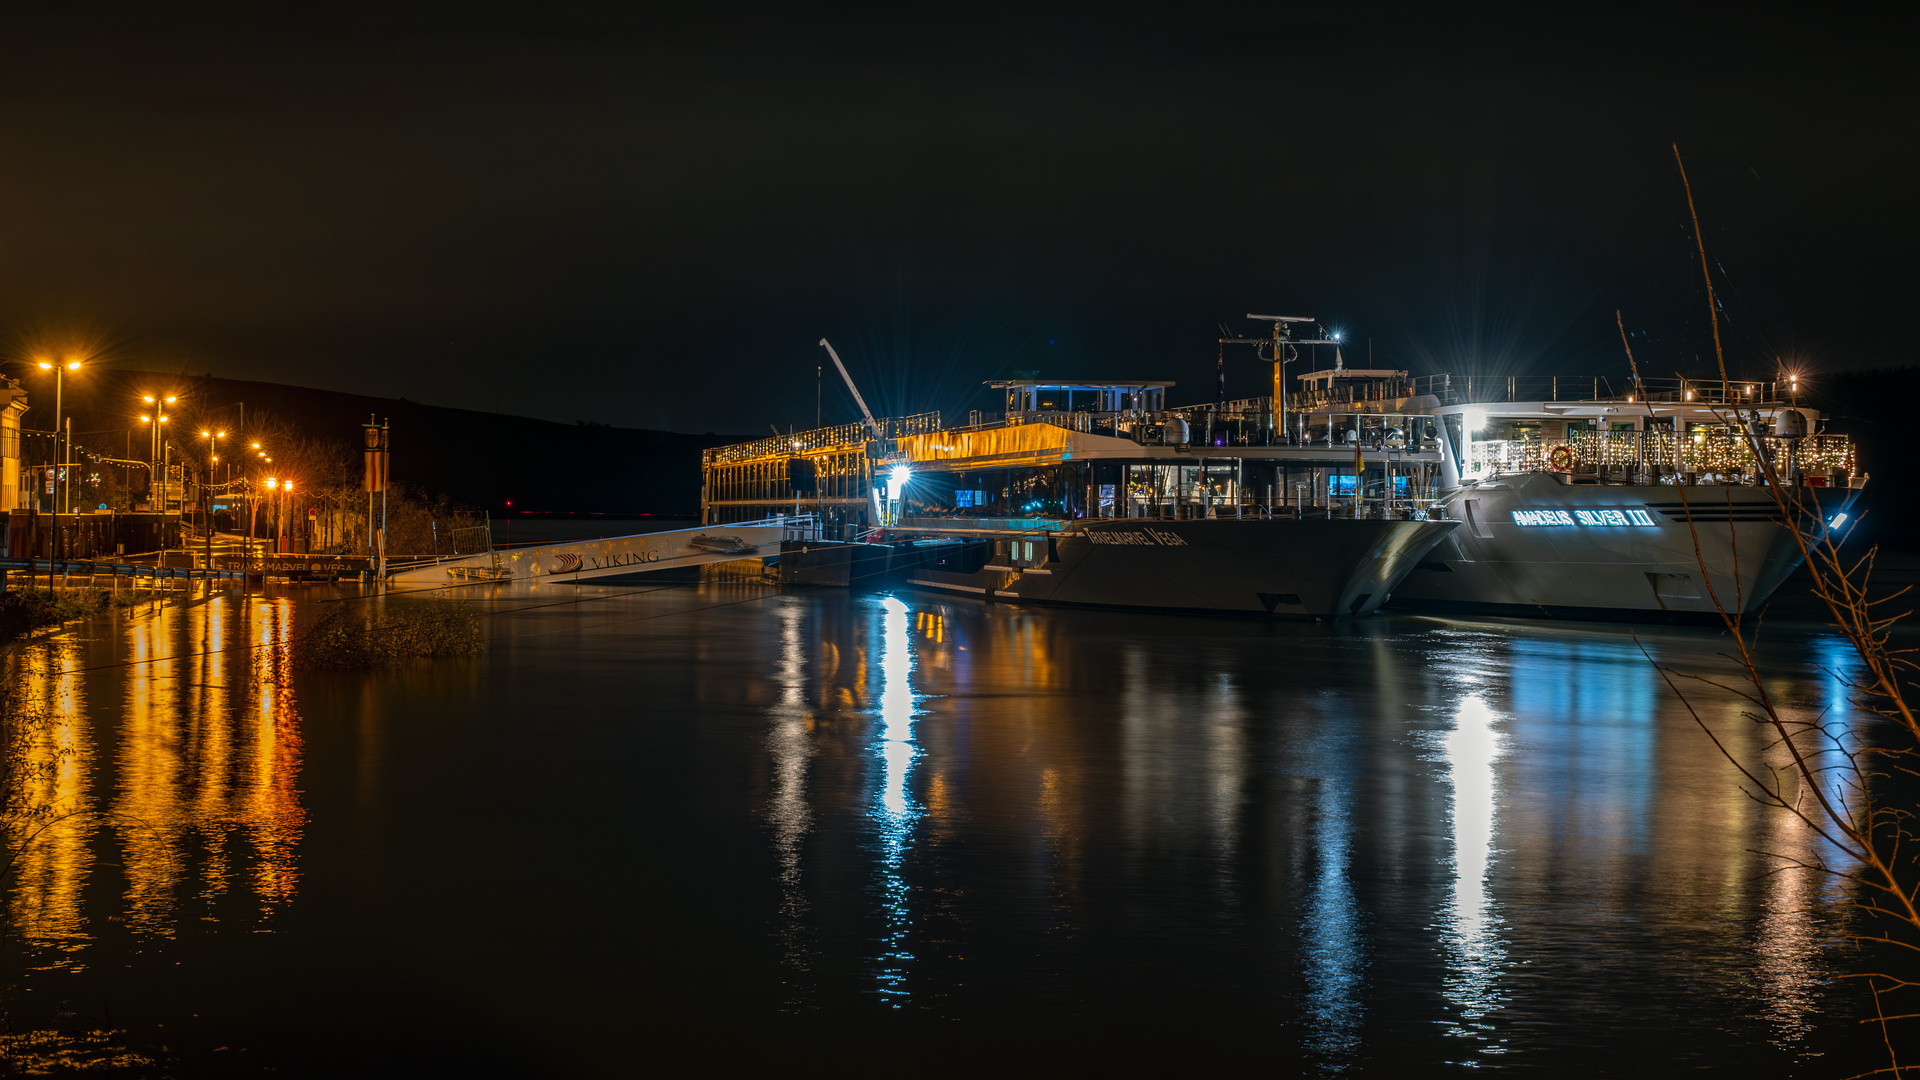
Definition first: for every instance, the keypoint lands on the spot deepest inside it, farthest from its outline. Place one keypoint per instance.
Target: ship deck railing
(1714, 453)
(834, 437)
(1451, 389)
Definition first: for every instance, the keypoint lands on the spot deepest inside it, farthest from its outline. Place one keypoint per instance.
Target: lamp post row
(158, 450)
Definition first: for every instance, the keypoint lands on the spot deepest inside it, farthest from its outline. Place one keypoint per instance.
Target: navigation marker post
(374, 480)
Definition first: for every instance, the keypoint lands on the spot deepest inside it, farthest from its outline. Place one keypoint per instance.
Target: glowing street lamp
(156, 450)
(206, 490)
(59, 379)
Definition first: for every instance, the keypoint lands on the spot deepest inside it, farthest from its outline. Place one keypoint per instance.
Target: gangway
(585, 560)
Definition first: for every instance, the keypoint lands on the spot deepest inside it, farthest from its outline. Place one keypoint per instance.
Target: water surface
(702, 826)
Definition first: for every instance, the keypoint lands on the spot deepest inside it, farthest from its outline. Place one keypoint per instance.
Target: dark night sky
(618, 215)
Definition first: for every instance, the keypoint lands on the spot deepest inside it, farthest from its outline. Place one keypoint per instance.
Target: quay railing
(91, 568)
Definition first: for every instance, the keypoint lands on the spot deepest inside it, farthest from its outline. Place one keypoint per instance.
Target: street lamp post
(253, 510)
(273, 504)
(155, 449)
(59, 384)
(206, 490)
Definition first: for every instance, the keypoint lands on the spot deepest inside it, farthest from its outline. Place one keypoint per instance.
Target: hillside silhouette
(489, 461)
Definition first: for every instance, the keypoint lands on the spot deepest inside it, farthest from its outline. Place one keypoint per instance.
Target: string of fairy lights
(1722, 453)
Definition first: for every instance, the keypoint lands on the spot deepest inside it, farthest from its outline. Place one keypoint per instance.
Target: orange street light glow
(45, 366)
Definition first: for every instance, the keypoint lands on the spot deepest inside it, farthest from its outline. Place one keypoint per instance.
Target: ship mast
(1284, 352)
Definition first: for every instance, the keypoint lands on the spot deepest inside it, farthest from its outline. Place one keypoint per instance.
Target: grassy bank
(23, 611)
(353, 636)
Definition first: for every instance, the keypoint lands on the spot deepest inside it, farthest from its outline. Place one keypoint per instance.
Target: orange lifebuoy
(1561, 458)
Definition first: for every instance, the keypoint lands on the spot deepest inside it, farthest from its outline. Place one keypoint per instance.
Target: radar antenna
(1284, 353)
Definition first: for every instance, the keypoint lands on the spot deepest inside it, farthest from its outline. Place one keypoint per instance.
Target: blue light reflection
(1334, 952)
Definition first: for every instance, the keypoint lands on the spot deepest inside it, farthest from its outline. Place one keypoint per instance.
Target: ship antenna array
(1283, 342)
(873, 425)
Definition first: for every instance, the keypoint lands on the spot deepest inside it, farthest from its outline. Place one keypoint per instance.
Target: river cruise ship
(1580, 500)
(1097, 493)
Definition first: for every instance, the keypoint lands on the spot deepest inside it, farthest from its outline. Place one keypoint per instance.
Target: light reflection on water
(205, 747)
(1472, 925)
(54, 866)
(1334, 948)
(790, 742)
(1796, 927)
(893, 812)
(1358, 847)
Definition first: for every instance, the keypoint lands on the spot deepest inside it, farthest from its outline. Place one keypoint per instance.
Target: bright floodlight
(1336, 335)
(206, 434)
(1473, 419)
(46, 365)
(272, 483)
(900, 474)
(148, 398)
(74, 365)
(1838, 520)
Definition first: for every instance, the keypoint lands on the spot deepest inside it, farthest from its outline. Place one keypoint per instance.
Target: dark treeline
(1876, 409)
(473, 460)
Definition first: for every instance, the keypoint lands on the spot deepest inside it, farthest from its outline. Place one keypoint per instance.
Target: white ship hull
(1532, 546)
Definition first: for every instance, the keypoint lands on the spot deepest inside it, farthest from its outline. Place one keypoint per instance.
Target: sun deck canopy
(1033, 395)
